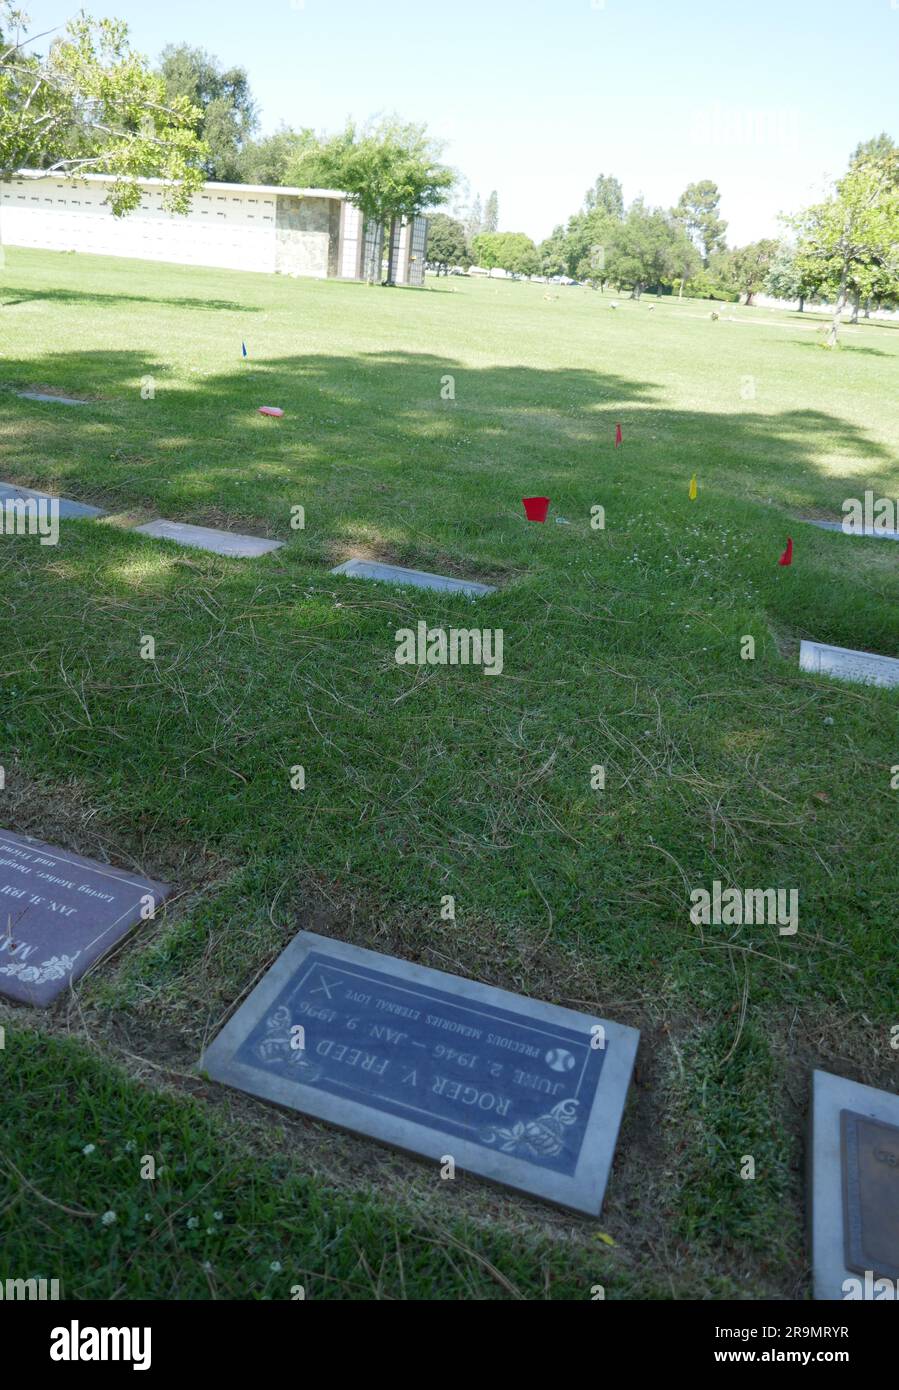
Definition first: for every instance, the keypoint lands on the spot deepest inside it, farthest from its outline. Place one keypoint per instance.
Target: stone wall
(307, 232)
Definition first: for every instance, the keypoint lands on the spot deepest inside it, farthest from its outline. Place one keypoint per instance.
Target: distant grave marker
(865, 532)
(207, 538)
(854, 1187)
(67, 508)
(419, 579)
(59, 913)
(848, 665)
(513, 1089)
(53, 400)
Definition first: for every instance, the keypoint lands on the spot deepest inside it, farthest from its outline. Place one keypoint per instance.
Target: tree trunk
(750, 295)
(374, 267)
(802, 303)
(391, 268)
(856, 301)
(868, 307)
(834, 332)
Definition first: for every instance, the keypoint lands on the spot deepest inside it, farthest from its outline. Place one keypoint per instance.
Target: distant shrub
(704, 286)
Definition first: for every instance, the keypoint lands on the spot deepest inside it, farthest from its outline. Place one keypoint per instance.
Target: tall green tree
(491, 213)
(699, 209)
(223, 95)
(446, 242)
(511, 251)
(876, 283)
(649, 248)
(785, 278)
(474, 220)
(881, 149)
(270, 159)
(605, 196)
(90, 104)
(552, 254)
(388, 169)
(750, 266)
(588, 238)
(850, 242)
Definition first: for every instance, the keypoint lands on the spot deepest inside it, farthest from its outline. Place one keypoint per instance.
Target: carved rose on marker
(544, 1136)
(53, 969)
(276, 1049)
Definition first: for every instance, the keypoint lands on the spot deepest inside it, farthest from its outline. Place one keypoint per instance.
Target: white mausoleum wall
(232, 227)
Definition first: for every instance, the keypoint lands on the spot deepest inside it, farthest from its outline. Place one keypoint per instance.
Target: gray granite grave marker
(848, 665)
(67, 508)
(53, 400)
(853, 1158)
(207, 538)
(867, 531)
(419, 579)
(513, 1089)
(59, 913)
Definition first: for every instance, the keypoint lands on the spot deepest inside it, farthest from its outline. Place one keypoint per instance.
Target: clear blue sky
(537, 97)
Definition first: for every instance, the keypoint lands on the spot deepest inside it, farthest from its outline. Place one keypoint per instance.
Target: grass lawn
(622, 647)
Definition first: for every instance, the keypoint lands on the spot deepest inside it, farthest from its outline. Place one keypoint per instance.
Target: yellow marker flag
(693, 488)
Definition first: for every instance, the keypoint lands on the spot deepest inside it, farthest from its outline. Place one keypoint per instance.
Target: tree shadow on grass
(504, 425)
(848, 347)
(60, 296)
(385, 466)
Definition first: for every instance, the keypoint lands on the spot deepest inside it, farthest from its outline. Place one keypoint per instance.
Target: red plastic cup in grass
(536, 508)
(272, 410)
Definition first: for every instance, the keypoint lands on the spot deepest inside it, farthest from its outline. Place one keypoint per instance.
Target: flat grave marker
(207, 538)
(67, 508)
(853, 1186)
(59, 913)
(419, 579)
(519, 1091)
(848, 665)
(54, 400)
(864, 533)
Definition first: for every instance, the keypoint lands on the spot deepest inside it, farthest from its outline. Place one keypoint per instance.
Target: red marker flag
(536, 508)
(787, 557)
(618, 439)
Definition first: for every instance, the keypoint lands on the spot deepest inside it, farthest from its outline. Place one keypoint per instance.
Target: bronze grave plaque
(870, 1152)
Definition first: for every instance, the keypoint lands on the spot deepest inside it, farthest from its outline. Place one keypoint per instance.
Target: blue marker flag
(243, 348)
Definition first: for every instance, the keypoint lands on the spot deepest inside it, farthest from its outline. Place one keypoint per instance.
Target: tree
(446, 242)
(491, 213)
(223, 95)
(91, 104)
(270, 159)
(605, 196)
(684, 260)
(876, 283)
(648, 248)
(551, 254)
(785, 278)
(751, 265)
(388, 169)
(850, 242)
(474, 222)
(698, 209)
(511, 251)
(881, 149)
